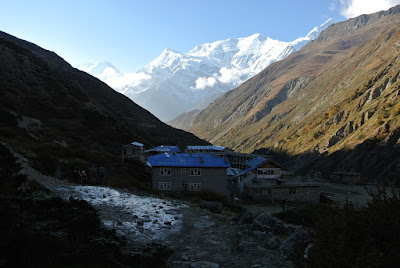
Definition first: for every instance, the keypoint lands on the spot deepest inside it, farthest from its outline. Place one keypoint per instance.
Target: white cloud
(354, 8)
(230, 75)
(132, 79)
(203, 82)
(108, 72)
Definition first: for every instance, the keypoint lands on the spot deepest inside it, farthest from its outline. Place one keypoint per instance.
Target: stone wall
(296, 193)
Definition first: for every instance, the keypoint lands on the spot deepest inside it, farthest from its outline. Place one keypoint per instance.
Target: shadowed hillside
(48, 107)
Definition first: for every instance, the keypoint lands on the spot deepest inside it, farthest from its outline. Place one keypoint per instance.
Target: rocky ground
(198, 237)
(212, 240)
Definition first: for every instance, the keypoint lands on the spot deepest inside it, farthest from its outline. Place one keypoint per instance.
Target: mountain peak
(168, 50)
(256, 35)
(317, 30)
(100, 69)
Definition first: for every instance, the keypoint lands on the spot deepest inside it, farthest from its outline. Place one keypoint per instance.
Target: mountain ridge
(202, 74)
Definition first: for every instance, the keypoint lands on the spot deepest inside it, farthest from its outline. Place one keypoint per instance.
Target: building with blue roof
(210, 149)
(189, 172)
(262, 168)
(262, 181)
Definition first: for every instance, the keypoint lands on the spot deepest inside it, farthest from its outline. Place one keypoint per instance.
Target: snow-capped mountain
(102, 70)
(175, 83)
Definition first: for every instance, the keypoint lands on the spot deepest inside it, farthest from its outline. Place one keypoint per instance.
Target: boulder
(204, 264)
(243, 218)
(259, 235)
(274, 242)
(266, 222)
(215, 207)
(300, 235)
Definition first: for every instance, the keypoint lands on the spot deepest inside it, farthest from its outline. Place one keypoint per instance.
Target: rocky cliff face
(333, 105)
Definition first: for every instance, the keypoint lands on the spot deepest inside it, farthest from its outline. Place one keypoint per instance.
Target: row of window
(268, 171)
(292, 190)
(193, 187)
(192, 171)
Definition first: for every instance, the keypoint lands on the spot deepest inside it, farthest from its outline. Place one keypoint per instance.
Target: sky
(131, 33)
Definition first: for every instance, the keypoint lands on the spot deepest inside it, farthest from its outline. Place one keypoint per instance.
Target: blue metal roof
(256, 162)
(205, 147)
(137, 144)
(163, 148)
(247, 170)
(187, 160)
(233, 171)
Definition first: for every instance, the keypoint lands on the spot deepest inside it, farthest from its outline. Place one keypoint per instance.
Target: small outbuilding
(265, 179)
(281, 190)
(262, 168)
(345, 177)
(133, 150)
(189, 172)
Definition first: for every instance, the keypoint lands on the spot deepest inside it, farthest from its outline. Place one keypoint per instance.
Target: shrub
(317, 134)
(307, 215)
(45, 162)
(209, 195)
(396, 110)
(357, 237)
(380, 122)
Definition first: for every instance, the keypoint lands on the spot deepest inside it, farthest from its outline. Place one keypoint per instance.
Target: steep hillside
(48, 105)
(331, 106)
(185, 120)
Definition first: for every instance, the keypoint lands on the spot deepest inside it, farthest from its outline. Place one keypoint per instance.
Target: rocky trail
(211, 240)
(198, 238)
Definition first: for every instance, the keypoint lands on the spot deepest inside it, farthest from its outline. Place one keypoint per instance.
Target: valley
(275, 154)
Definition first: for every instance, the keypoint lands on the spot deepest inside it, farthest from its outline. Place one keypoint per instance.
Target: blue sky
(130, 34)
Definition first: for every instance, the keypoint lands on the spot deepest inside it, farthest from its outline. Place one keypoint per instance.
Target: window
(195, 187)
(165, 171)
(183, 170)
(164, 186)
(268, 171)
(195, 172)
(292, 190)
